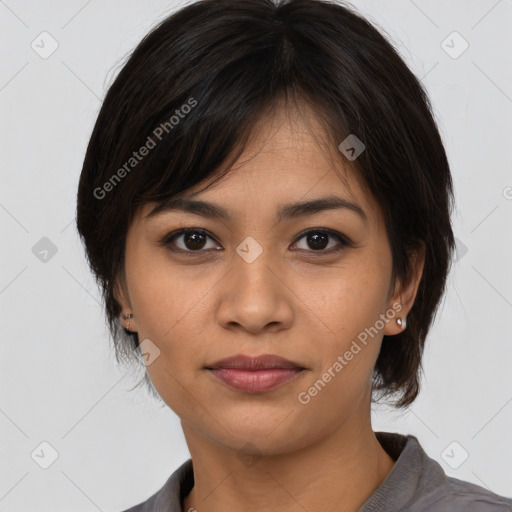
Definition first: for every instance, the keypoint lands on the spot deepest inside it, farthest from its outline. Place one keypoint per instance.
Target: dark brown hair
(191, 92)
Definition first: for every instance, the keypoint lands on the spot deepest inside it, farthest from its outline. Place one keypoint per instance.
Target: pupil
(194, 238)
(315, 238)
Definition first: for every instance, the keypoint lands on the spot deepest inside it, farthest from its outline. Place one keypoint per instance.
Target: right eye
(193, 240)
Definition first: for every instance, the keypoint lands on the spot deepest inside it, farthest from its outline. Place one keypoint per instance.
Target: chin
(261, 439)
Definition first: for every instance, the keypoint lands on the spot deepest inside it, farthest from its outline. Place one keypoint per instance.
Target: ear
(123, 297)
(405, 293)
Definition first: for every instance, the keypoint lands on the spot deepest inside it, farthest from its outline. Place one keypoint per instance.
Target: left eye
(194, 240)
(318, 239)
(193, 237)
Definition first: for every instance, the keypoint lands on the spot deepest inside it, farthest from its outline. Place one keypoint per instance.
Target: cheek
(165, 296)
(348, 301)
(348, 311)
(346, 356)
(170, 304)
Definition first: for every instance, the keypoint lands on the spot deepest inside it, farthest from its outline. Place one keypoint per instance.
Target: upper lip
(262, 362)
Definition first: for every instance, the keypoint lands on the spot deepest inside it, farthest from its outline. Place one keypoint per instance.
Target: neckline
(393, 444)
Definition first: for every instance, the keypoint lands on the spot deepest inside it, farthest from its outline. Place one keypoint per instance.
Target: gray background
(58, 379)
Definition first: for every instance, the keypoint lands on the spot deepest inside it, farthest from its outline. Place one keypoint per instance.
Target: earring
(126, 317)
(402, 323)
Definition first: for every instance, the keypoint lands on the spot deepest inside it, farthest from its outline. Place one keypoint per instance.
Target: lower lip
(255, 381)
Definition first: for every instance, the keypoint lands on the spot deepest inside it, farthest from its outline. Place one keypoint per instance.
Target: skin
(304, 305)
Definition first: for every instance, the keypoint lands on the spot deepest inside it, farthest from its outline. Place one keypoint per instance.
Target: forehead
(287, 159)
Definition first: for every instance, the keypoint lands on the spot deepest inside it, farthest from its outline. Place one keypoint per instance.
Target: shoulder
(418, 483)
(456, 495)
(468, 497)
(168, 498)
(438, 492)
(155, 503)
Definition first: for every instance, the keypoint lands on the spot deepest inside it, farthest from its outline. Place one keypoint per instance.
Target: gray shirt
(416, 483)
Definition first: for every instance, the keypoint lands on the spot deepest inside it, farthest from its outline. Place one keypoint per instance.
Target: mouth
(255, 374)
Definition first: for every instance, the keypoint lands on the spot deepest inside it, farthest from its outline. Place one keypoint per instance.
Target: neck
(338, 473)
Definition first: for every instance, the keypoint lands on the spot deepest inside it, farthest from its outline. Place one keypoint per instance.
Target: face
(310, 288)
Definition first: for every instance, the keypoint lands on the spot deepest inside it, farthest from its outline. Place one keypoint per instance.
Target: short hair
(191, 92)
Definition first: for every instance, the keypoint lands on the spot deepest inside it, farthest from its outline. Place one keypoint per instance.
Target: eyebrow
(285, 212)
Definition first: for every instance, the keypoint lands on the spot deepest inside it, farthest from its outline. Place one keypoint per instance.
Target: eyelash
(168, 241)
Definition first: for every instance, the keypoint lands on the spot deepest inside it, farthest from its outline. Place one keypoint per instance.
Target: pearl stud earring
(401, 323)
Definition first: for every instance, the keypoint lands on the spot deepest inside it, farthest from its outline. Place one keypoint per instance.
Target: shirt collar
(412, 468)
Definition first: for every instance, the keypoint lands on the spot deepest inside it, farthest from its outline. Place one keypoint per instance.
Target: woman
(265, 201)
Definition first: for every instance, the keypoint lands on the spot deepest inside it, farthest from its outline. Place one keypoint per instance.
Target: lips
(255, 374)
(263, 362)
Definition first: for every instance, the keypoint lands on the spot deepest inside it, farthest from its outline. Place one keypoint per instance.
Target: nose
(254, 295)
